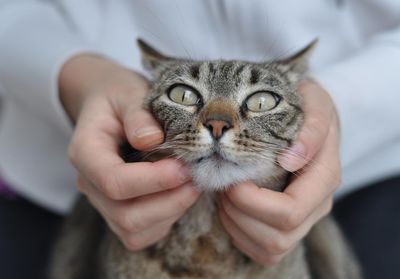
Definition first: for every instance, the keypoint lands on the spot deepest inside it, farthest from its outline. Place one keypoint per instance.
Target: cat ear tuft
(151, 58)
(299, 61)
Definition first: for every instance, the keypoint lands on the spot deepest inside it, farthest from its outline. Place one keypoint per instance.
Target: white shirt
(357, 61)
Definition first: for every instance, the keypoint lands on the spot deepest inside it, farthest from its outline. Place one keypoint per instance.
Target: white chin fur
(215, 175)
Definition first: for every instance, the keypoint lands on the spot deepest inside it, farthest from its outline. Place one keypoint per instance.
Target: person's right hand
(140, 201)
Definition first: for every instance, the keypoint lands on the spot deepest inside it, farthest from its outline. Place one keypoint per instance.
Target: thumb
(142, 130)
(319, 112)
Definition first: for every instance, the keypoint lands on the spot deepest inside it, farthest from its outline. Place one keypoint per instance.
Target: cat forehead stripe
(254, 75)
(236, 71)
(195, 71)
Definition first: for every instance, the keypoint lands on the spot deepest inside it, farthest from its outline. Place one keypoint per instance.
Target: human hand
(140, 201)
(266, 225)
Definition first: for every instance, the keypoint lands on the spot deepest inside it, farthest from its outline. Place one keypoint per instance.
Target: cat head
(227, 120)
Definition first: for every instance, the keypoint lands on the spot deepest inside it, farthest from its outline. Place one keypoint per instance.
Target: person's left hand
(266, 225)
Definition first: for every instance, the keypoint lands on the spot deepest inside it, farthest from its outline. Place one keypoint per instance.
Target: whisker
(280, 150)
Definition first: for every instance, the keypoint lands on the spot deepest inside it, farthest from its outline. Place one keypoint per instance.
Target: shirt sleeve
(36, 39)
(366, 90)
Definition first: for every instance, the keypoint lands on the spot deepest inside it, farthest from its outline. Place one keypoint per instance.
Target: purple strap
(6, 190)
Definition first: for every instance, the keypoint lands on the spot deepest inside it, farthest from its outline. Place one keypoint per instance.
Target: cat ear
(151, 58)
(298, 63)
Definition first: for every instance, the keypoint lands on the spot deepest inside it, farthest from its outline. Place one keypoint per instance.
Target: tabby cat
(227, 120)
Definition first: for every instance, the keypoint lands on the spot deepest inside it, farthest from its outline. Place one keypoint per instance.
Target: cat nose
(217, 127)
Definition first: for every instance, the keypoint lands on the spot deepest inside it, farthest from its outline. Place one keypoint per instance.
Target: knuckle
(277, 246)
(129, 222)
(109, 186)
(328, 207)
(137, 241)
(280, 246)
(183, 204)
(73, 152)
(269, 260)
(122, 220)
(134, 243)
(337, 177)
(162, 185)
(333, 179)
(293, 219)
(76, 148)
(164, 182)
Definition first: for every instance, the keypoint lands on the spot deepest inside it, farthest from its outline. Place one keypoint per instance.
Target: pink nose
(217, 127)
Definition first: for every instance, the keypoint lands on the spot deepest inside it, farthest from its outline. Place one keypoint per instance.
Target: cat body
(197, 247)
(228, 121)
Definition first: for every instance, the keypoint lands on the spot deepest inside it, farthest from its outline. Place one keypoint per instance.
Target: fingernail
(294, 157)
(147, 131)
(184, 174)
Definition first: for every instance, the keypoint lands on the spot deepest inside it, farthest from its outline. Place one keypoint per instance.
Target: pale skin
(141, 201)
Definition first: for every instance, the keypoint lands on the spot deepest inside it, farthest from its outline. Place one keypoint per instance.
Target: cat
(228, 121)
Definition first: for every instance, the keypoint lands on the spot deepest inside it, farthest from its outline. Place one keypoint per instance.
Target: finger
(246, 244)
(288, 209)
(125, 181)
(266, 205)
(139, 214)
(97, 158)
(282, 240)
(142, 130)
(140, 127)
(160, 206)
(140, 240)
(322, 176)
(269, 239)
(318, 114)
(94, 151)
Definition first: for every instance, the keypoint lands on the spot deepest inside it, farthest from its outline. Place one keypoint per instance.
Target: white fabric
(357, 61)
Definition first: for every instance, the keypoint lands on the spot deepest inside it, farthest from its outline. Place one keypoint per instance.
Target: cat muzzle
(217, 127)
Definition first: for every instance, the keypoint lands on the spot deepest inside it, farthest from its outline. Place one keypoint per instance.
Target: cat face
(228, 120)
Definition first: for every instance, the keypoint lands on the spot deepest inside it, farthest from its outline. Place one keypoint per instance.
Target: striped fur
(252, 145)
(246, 148)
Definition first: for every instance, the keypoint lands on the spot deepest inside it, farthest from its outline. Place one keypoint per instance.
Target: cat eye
(262, 101)
(184, 95)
